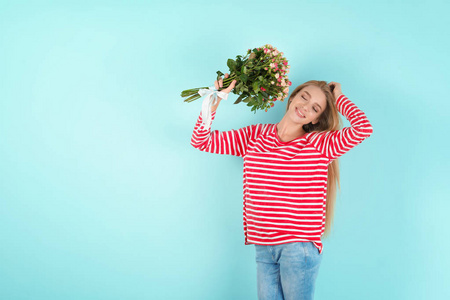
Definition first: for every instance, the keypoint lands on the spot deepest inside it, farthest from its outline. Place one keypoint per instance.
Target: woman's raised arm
(233, 142)
(335, 143)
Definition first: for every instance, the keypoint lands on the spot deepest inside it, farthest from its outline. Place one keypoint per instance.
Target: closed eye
(314, 108)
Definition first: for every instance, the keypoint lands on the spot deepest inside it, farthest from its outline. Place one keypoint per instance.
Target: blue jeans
(287, 271)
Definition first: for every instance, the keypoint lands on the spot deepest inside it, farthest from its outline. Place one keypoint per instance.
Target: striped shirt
(285, 183)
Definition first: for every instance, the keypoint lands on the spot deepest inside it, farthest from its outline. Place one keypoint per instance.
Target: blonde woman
(290, 177)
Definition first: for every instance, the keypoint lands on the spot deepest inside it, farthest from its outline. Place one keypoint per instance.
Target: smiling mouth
(299, 113)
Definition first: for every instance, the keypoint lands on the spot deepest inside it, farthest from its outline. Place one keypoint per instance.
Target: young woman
(290, 175)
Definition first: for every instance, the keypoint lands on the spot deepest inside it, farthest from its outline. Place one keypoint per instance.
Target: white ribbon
(209, 101)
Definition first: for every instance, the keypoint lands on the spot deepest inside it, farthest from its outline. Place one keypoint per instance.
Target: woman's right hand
(218, 84)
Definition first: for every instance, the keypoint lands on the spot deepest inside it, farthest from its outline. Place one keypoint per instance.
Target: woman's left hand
(337, 89)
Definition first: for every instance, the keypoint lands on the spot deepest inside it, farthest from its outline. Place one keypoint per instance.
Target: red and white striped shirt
(285, 183)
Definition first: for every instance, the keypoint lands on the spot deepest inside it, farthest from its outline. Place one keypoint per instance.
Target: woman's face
(308, 105)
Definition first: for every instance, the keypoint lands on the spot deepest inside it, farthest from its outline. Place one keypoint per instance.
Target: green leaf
(239, 99)
(239, 87)
(243, 78)
(252, 102)
(219, 74)
(231, 64)
(260, 97)
(239, 64)
(255, 86)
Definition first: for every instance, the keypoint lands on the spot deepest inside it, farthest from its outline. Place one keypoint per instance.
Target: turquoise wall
(103, 197)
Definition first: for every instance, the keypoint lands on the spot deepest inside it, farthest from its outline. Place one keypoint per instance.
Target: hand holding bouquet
(261, 79)
(218, 84)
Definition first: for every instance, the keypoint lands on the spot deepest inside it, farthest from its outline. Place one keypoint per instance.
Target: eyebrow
(316, 103)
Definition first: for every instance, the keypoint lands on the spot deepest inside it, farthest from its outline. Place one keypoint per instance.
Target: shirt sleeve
(232, 142)
(335, 143)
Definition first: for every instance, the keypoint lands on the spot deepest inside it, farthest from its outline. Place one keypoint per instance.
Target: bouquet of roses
(261, 79)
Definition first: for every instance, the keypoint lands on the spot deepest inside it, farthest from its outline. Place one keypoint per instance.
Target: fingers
(221, 79)
(219, 84)
(335, 88)
(334, 83)
(231, 86)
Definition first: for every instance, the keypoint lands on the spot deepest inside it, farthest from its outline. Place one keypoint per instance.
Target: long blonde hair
(328, 120)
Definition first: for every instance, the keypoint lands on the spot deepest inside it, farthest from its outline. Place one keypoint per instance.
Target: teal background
(103, 197)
